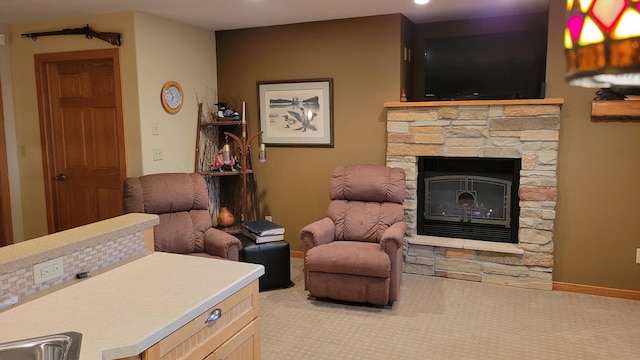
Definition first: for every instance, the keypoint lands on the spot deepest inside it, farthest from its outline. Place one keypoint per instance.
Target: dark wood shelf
(221, 122)
(233, 229)
(225, 173)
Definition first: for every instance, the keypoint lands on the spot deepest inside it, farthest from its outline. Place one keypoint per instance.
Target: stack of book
(262, 231)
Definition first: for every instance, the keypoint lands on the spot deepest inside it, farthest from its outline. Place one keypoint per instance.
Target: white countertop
(126, 310)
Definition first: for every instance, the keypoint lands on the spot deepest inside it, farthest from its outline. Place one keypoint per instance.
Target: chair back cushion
(365, 201)
(368, 183)
(180, 200)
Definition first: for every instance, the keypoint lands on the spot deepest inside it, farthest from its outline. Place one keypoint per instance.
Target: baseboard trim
(596, 290)
(560, 286)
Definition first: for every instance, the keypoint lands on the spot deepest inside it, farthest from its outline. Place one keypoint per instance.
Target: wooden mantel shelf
(615, 109)
(413, 104)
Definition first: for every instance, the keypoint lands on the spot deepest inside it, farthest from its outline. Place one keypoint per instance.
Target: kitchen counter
(124, 311)
(26, 253)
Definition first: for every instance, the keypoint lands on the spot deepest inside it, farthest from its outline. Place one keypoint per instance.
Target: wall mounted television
(497, 66)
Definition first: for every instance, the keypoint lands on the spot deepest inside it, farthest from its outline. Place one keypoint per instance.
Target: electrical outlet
(268, 218)
(638, 256)
(157, 154)
(47, 270)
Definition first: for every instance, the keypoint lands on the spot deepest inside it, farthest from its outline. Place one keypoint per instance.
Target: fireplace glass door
(470, 199)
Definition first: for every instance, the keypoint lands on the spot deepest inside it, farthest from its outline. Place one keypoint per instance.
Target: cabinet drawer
(244, 345)
(197, 339)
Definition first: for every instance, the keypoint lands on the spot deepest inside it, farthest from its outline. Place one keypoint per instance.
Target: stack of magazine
(262, 231)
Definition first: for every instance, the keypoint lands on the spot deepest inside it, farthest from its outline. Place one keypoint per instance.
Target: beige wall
(8, 109)
(170, 51)
(26, 104)
(363, 58)
(596, 230)
(153, 51)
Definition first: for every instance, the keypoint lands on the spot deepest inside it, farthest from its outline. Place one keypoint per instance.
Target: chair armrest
(394, 233)
(392, 242)
(317, 233)
(220, 243)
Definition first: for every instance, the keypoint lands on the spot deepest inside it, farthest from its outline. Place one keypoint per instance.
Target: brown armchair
(181, 201)
(355, 253)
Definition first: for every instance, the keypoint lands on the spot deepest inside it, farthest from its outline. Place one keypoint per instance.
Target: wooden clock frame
(165, 105)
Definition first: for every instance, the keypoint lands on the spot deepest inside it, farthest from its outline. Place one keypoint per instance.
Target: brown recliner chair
(355, 253)
(181, 201)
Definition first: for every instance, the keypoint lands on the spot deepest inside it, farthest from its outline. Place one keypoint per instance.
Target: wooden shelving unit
(234, 189)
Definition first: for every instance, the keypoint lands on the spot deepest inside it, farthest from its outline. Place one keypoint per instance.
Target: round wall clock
(172, 97)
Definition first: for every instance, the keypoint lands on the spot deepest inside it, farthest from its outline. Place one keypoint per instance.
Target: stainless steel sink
(63, 346)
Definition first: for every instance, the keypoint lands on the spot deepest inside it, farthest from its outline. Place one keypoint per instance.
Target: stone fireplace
(526, 130)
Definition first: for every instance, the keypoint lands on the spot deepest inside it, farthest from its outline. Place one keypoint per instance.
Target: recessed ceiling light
(420, 2)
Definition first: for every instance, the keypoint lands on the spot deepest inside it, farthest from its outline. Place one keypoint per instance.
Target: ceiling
(238, 14)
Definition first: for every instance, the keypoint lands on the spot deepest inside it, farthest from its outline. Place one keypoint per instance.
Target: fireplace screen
(469, 199)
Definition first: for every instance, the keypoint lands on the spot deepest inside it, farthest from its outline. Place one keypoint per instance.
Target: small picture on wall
(296, 112)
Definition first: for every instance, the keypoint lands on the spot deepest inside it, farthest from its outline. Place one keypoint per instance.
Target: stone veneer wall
(485, 129)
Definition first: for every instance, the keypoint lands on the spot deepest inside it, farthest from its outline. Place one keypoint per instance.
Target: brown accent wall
(362, 56)
(597, 228)
(597, 225)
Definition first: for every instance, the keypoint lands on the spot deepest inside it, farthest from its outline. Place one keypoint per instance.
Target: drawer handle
(215, 315)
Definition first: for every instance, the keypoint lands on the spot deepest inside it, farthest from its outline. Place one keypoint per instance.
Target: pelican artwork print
(296, 113)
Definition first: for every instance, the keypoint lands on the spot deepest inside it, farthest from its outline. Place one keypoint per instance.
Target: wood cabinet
(233, 187)
(142, 319)
(234, 335)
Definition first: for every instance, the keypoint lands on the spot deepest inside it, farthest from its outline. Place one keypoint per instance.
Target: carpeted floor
(438, 318)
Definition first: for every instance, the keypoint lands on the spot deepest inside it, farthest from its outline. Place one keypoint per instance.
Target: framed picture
(296, 112)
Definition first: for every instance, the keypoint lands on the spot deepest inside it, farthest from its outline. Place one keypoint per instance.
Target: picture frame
(296, 113)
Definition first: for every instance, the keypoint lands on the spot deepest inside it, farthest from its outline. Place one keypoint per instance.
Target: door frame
(42, 61)
(6, 238)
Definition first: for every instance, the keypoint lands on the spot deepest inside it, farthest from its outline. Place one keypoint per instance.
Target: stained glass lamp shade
(602, 42)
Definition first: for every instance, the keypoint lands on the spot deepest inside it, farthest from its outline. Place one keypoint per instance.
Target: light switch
(155, 128)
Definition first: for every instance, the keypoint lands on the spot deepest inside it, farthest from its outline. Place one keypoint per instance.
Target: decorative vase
(225, 218)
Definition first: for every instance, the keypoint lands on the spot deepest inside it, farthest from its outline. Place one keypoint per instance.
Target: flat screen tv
(509, 65)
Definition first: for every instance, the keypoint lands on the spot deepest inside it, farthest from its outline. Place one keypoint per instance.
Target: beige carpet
(439, 318)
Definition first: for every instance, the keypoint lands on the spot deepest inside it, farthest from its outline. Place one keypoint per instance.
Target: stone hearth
(524, 129)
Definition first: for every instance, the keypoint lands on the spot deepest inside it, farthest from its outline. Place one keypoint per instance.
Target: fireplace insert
(469, 198)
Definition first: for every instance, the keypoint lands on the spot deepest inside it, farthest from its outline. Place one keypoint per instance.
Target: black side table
(274, 256)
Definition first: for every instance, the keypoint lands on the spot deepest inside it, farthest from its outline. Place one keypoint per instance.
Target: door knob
(61, 177)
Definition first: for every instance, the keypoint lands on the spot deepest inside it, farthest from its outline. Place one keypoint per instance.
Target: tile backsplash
(92, 258)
